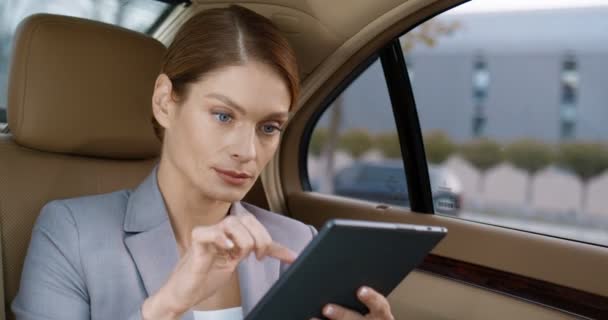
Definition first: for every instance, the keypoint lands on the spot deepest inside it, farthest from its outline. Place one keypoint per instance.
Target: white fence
(550, 191)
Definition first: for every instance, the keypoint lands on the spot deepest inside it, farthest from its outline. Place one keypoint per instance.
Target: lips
(234, 178)
(234, 174)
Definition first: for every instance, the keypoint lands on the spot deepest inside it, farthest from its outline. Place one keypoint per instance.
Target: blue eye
(270, 129)
(223, 117)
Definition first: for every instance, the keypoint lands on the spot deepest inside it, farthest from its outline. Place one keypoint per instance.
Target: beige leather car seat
(79, 115)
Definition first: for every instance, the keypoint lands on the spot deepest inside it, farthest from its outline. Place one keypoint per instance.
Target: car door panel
(569, 266)
(522, 270)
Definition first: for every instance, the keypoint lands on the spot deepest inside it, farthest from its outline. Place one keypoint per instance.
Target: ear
(162, 100)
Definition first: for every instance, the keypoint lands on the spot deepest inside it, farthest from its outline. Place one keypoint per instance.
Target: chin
(227, 195)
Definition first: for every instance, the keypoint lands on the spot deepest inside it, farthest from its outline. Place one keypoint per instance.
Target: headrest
(83, 87)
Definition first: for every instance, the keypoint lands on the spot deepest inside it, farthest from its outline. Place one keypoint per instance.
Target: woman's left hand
(379, 308)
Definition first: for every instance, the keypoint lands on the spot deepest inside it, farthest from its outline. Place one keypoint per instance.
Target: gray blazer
(99, 257)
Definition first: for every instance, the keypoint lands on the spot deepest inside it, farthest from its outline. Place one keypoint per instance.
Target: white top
(223, 314)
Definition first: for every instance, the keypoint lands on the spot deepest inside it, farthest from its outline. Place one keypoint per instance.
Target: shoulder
(285, 230)
(95, 210)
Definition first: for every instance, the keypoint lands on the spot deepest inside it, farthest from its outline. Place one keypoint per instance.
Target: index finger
(281, 252)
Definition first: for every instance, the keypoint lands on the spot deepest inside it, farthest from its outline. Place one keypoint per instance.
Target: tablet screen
(345, 255)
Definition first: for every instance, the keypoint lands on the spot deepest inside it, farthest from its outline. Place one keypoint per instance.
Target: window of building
(481, 83)
(569, 82)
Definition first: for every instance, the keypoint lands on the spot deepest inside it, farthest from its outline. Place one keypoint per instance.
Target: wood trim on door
(548, 294)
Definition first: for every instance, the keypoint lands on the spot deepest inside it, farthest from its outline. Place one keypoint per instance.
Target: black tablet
(345, 255)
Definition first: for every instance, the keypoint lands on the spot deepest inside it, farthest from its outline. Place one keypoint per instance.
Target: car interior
(79, 115)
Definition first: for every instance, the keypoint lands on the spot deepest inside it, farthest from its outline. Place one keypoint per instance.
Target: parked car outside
(385, 182)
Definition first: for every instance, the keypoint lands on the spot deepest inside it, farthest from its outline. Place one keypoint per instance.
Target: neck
(186, 206)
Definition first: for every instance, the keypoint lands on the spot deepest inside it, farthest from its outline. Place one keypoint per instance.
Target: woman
(182, 245)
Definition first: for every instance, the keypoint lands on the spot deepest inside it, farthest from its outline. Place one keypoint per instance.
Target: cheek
(199, 135)
(202, 122)
(267, 150)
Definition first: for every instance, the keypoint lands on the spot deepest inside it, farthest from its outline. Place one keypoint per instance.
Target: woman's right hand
(209, 263)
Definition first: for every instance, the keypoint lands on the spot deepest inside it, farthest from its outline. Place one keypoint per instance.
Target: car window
(354, 148)
(138, 15)
(512, 103)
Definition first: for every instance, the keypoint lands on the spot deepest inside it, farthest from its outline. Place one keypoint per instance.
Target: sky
(484, 6)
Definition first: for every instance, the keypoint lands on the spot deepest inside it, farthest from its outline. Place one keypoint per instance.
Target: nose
(244, 146)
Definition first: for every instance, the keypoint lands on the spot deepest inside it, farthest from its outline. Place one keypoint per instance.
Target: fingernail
(329, 311)
(363, 292)
(229, 244)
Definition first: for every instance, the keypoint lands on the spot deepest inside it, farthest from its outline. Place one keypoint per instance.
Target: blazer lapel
(150, 238)
(155, 255)
(151, 243)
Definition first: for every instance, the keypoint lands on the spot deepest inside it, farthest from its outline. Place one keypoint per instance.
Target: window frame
(311, 124)
(408, 128)
(406, 121)
(410, 137)
(542, 293)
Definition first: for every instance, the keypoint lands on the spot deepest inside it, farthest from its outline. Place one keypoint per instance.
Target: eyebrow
(240, 109)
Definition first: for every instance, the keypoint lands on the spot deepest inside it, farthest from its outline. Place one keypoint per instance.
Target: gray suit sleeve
(53, 283)
(136, 316)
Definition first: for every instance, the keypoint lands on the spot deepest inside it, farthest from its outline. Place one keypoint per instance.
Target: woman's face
(225, 130)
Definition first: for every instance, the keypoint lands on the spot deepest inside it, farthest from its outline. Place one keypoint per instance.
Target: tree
(586, 160)
(530, 156)
(438, 147)
(356, 142)
(483, 154)
(317, 141)
(428, 34)
(388, 143)
(329, 148)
